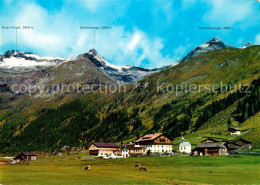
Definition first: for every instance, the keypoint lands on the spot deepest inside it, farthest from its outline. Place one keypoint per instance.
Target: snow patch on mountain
(17, 61)
(13, 62)
(120, 73)
(246, 45)
(211, 45)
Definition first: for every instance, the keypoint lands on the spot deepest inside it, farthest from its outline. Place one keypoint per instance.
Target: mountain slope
(141, 109)
(119, 73)
(21, 62)
(74, 72)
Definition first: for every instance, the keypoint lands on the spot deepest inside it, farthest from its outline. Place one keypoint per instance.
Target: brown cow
(87, 168)
(142, 169)
(138, 165)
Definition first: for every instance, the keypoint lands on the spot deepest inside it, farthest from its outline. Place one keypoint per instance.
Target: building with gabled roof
(184, 147)
(210, 140)
(244, 143)
(102, 149)
(26, 156)
(155, 143)
(232, 146)
(214, 147)
(210, 149)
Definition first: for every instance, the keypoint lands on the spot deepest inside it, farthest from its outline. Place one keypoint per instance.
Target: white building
(125, 153)
(103, 149)
(184, 147)
(234, 131)
(155, 143)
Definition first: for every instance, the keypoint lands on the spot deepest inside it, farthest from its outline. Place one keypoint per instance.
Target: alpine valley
(48, 119)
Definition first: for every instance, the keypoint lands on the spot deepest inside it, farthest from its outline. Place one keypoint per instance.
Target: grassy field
(69, 169)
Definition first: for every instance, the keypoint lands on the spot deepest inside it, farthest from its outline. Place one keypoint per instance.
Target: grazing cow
(138, 165)
(142, 169)
(87, 168)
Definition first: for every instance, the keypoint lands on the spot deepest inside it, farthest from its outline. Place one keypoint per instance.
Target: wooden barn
(210, 149)
(245, 145)
(232, 146)
(26, 156)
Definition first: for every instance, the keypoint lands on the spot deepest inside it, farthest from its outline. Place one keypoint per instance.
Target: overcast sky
(144, 33)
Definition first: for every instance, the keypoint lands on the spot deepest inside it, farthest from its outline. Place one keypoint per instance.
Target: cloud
(132, 48)
(257, 39)
(142, 33)
(134, 41)
(228, 12)
(58, 34)
(92, 5)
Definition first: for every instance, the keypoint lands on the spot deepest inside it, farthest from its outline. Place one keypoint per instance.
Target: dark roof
(29, 154)
(234, 129)
(232, 145)
(232, 142)
(105, 145)
(210, 138)
(244, 141)
(210, 145)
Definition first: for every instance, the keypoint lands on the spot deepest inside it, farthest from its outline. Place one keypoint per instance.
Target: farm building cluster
(213, 147)
(153, 143)
(157, 143)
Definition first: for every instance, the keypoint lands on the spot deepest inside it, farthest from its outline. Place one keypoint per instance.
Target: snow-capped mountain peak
(96, 58)
(211, 45)
(99, 61)
(120, 73)
(10, 53)
(17, 61)
(14, 60)
(246, 45)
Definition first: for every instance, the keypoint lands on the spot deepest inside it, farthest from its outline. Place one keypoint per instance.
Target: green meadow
(69, 169)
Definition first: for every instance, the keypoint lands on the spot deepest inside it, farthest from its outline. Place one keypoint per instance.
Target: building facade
(210, 149)
(184, 147)
(26, 156)
(245, 145)
(234, 131)
(155, 143)
(103, 149)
